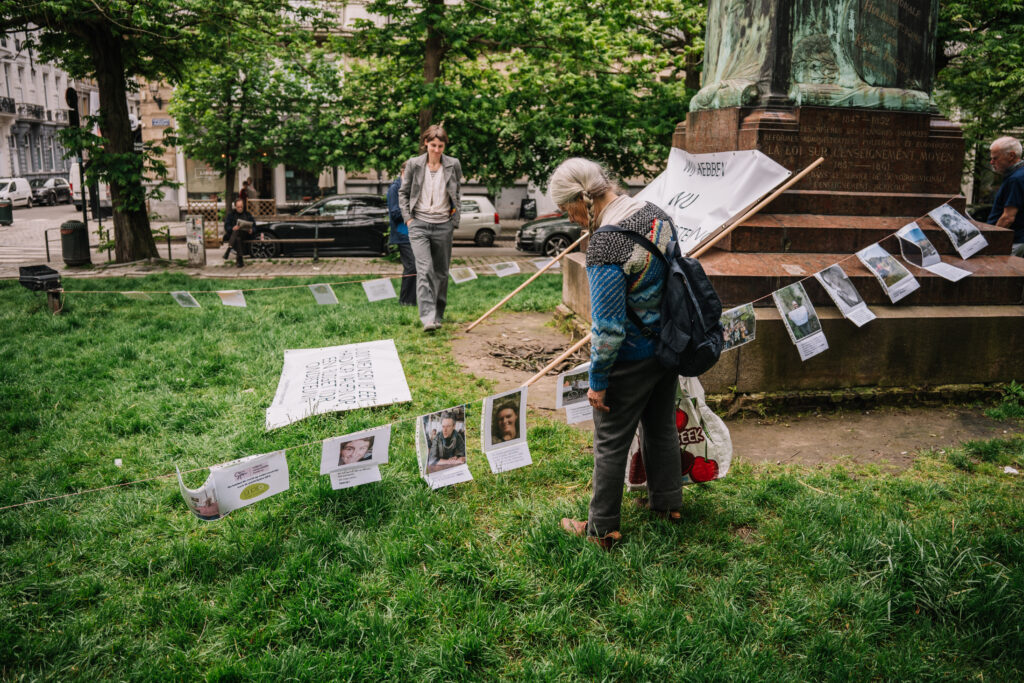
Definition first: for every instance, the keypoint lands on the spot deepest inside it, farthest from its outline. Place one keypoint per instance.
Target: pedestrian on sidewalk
(430, 198)
(245, 193)
(238, 225)
(399, 236)
(628, 385)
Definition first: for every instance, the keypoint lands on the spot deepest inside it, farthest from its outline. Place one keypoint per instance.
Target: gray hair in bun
(579, 179)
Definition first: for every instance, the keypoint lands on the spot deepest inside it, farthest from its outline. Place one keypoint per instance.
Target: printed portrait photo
(960, 230)
(504, 419)
(797, 311)
(357, 450)
(839, 287)
(445, 433)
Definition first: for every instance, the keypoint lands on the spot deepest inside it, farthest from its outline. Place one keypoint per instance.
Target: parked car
(17, 190)
(547, 236)
(478, 222)
(50, 191)
(356, 224)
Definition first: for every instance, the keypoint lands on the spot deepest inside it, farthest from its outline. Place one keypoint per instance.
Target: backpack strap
(649, 246)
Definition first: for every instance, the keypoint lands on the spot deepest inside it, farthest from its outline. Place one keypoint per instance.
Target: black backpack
(691, 337)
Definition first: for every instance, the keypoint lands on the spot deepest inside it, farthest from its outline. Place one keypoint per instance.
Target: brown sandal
(673, 516)
(578, 528)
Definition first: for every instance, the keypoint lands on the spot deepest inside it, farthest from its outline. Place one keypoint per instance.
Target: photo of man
(799, 314)
(448, 448)
(357, 450)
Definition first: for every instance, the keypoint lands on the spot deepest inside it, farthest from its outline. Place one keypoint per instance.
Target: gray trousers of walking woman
(645, 392)
(432, 249)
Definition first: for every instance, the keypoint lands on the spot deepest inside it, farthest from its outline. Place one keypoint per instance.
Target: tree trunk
(433, 51)
(229, 189)
(133, 239)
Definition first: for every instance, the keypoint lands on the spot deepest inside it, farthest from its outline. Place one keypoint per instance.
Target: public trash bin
(74, 243)
(6, 212)
(528, 209)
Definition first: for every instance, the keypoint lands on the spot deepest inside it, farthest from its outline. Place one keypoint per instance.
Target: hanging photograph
(541, 263)
(359, 449)
(249, 480)
(232, 297)
(571, 394)
(201, 501)
(185, 299)
(894, 278)
(323, 294)
(138, 296)
(441, 447)
(918, 251)
(965, 236)
(845, 296)
(738, 326)
(504, 430)
(378, 290)
(801, 320)
(462, 274)
(505, 269)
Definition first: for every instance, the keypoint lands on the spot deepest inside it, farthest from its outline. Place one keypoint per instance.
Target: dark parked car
(547, 236)
(50, 191)
(356, 224)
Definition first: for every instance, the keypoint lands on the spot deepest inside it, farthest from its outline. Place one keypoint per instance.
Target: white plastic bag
(705, 447)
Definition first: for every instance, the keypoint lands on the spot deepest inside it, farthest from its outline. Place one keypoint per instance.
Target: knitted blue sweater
(638, 280)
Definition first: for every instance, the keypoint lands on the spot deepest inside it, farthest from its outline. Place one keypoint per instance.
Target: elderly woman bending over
(627, 384)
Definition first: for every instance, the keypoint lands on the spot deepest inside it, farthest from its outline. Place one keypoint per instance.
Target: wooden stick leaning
(745, 217)
(565, 354)
(757, 208)
(532, 278)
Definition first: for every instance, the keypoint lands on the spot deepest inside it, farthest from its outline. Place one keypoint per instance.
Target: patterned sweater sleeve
(608, 311)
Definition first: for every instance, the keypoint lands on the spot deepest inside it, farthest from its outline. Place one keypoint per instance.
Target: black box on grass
(39, 278)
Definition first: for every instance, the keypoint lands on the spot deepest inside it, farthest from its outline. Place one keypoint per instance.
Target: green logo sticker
(253, 490)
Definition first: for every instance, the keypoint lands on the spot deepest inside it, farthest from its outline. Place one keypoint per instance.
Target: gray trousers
(432, 249)
(638, 392)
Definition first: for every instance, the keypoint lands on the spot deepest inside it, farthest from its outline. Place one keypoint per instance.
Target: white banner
(702, 193)
(337, 378)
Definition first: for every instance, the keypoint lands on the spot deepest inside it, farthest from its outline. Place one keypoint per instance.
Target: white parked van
(75, 179)
(17, 190)
(478, 222)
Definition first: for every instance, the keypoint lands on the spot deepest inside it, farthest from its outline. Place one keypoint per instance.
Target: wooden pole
(547, 368)
(532, 278)
(763, 203)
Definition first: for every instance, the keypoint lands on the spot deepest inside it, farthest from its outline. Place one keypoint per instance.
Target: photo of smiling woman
(357, 450)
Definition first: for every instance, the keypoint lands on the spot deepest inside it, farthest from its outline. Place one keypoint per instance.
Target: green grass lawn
(777, 574)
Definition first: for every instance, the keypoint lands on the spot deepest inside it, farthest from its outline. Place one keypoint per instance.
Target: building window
(202, 181)
(300, 185)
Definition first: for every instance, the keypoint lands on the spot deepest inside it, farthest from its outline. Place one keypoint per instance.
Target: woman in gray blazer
(430, 198)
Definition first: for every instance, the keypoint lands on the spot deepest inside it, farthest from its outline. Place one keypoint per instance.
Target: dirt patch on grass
(886, 437)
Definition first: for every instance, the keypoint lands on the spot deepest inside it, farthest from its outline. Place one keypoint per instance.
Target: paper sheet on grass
(185, 300)
(337, 378)
(232, 297)
(918, 251)
(378, 290)
(354, 459)
(503, 430)
(235, 484)
(460, 275)
(441, 449)
(505, 269)
(323, 294)
(839, 287)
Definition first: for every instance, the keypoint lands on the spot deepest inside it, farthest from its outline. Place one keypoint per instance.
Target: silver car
(479, 221)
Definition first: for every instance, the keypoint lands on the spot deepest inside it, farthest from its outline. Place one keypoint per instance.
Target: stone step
(832, 234)
(741, 278)
(900, 348)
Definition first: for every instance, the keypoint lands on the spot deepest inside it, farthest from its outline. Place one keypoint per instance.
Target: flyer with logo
(249, 480)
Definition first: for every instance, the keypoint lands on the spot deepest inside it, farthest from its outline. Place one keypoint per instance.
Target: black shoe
(239, 263)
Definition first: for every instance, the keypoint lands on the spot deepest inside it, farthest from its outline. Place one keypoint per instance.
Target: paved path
(24, 243)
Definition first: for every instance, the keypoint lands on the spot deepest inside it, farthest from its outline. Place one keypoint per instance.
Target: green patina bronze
(877, 54)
